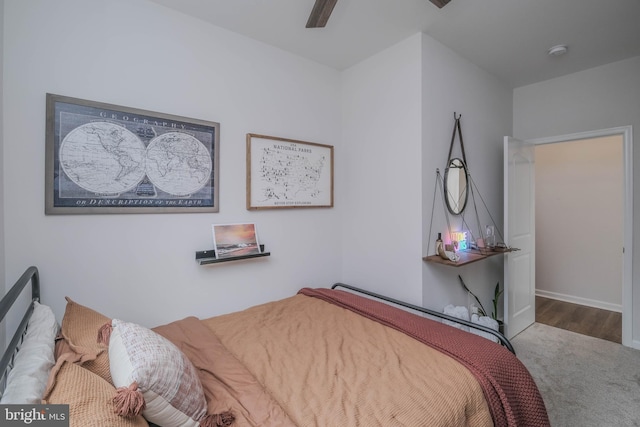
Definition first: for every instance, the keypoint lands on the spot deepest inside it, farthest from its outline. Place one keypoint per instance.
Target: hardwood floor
(582, 319)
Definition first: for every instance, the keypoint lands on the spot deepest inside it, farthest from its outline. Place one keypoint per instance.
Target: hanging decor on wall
(104, 159)
(456, 175)
(287, 173)
(463, 243)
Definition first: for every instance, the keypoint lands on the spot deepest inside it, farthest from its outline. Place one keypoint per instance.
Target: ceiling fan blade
(320, 14)
(440, 3)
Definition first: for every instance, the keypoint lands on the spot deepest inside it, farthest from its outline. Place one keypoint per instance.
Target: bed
(322, 357)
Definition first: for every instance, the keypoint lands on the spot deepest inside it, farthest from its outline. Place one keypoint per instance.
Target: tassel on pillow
(225, 419)
(104, 333)
(129, 401)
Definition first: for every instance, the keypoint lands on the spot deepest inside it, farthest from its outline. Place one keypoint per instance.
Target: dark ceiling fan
(322, 11)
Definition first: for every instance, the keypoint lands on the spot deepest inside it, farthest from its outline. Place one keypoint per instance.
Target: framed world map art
(103, 159)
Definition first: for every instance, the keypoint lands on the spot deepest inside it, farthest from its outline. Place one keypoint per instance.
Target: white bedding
(33, 362)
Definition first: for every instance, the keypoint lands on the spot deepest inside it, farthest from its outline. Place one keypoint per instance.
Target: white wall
(138, 54)
(599, 98)
(382, 226)
(389, 118)
(398, 117)
(579, 217)
(452, 84)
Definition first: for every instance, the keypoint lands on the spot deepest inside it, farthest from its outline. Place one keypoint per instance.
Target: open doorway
(579, 235)
(627, 221)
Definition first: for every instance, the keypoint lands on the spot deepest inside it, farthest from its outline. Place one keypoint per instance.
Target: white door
(520, 227)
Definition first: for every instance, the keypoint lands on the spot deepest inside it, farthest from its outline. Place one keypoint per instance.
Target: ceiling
(508, 38)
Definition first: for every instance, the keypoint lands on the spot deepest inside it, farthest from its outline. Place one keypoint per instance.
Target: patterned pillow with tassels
(155, 378)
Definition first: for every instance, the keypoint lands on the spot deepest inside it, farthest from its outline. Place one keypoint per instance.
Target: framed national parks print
(287, 173)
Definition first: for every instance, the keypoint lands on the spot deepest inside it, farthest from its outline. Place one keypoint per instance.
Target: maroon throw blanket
(510, 391)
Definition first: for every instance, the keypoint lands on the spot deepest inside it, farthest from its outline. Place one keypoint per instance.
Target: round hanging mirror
(455, 186)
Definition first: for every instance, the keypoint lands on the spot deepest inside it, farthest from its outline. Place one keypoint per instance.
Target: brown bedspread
(328, 366)
(513, 397)
(226, 382)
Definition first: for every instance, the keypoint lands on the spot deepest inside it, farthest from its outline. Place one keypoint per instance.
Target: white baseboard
(579, 300)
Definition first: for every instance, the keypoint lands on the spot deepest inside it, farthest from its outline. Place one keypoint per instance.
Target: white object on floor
(485, 321)
(460, 312)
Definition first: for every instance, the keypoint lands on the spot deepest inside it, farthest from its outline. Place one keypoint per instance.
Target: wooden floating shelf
(466, 257)
(209, 256)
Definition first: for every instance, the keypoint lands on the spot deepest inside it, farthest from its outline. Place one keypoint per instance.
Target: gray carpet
(584, 381)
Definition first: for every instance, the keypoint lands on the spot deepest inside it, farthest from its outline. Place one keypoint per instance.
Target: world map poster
(103, 158)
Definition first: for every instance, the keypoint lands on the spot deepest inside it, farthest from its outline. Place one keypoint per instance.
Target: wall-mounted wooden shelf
(209, 256)
(466, 257)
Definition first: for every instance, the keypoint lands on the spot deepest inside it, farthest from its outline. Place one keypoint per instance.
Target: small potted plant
(497, 292)
(494, 314)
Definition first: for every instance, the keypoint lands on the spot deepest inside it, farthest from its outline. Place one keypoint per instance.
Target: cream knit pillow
(155, 377)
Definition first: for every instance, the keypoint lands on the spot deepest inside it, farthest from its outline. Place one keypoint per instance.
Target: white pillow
(33, 362)
(166, 378)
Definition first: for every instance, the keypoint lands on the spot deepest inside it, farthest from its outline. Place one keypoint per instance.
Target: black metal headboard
(29, 276)
(501, 338)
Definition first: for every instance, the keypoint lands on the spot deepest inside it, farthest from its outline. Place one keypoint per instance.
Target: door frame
(627, 260)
